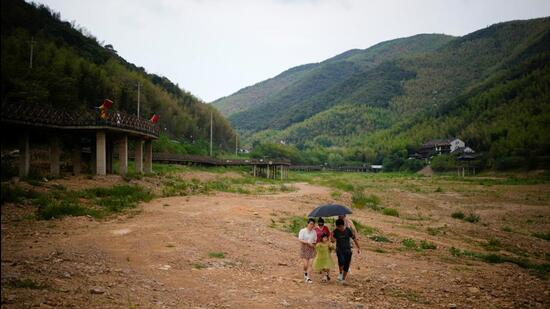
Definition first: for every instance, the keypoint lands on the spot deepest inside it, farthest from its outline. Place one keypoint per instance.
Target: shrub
(424, 244)
(472, 218)
(390, 212)
(458, 215)
(409, 243)
(443, 163)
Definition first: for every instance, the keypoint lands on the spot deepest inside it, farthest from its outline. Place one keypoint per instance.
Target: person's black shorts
(344, 259)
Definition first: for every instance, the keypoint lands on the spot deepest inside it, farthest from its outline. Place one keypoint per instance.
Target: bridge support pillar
(148, 157)
(24, 155)
(139, 157)
(77, 159)
(109, 153)
(123, 155)
(55, 154)
(101, 153)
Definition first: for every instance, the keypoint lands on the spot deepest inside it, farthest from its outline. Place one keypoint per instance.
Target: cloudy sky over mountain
(215, 47)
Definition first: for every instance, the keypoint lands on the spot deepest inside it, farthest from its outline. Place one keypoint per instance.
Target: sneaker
(307, 280)
(343, 282)
(340, 277)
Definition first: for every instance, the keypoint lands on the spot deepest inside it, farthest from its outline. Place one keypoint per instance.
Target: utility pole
(211, 123)
(139, 90)
(32, 47)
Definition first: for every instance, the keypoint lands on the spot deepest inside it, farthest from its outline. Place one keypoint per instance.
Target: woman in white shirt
(308, 237)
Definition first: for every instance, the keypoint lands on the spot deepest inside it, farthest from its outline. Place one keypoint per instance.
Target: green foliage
(117, 198)
(444, 163)
(96, 202)
(363, 229)
(16, 194)
(540, 270)
(26, 284)
(545, 236)
(379, 238)
(458, 215)
(218, 255)
(360, 200)
(409, 243)
(426, 245)
(472, 218)
(390, 212)
(295, 224)
(49, 207)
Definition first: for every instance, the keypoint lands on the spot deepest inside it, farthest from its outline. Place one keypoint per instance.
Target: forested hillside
(72, 70)
(489, 88)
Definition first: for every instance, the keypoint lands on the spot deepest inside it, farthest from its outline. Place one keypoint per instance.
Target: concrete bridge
(82, 132)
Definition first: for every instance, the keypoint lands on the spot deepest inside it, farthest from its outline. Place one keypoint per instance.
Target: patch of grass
(15, 194)
(540, 270)
(506, 229)
(295, 224)
(390, 212)
(434, 231)
(409, 243)
(426, 245)
(438, 189)
(472, 218)
(50, 207)
(362, 229)
(380, 250)
(336, 194)
(545, 236)
(199, 266)
(492, 244)
(379, 238)
(359, 200)
(218, 255)
(458, 215)
(118, 198)
(26, 284)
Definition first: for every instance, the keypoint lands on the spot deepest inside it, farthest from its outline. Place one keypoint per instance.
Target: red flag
(106, 104)
(155, 118)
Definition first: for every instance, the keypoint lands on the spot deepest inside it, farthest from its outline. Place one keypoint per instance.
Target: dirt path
(163, 257)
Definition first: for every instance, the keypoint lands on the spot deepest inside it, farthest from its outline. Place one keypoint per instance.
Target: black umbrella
(329, 210)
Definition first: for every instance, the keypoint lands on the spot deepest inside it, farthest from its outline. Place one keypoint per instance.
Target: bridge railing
(41, 115)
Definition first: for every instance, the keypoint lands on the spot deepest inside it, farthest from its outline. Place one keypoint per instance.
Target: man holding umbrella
(342, 235)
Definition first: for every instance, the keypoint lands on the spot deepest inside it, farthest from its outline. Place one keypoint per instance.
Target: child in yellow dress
(323, 261)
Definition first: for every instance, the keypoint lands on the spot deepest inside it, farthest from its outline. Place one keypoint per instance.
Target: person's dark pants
(344, 259)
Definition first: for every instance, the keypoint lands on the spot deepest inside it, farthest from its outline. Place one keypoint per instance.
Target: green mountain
(272, 103)
(72, 70)
(490, 88)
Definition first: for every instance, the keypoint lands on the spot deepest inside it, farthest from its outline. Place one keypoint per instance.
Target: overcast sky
(213, 48)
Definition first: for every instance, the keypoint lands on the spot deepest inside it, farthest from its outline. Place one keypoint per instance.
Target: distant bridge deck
(194, 159)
